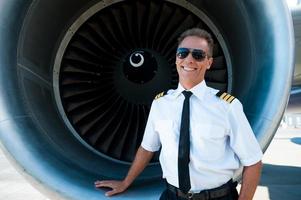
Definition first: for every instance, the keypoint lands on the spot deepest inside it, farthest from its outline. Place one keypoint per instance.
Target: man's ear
(210, 60)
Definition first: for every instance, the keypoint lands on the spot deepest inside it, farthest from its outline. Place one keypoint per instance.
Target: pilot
(203, 134)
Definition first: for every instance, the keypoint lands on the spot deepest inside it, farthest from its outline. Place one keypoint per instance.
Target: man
(203, 134)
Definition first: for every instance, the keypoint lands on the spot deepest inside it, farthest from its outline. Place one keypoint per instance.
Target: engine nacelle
(77, 78)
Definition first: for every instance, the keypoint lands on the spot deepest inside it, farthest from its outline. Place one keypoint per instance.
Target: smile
(188, 69)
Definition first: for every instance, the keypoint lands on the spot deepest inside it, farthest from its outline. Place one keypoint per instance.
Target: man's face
(192, 71)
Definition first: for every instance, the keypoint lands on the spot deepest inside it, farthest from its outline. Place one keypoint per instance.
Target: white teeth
(188, 69)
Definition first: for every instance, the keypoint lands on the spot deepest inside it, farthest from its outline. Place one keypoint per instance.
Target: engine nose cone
(140, 67)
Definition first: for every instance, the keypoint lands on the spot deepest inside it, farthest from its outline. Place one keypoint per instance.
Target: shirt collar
(198, 90)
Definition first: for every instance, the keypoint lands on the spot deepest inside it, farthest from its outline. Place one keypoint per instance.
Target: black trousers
(169, 195)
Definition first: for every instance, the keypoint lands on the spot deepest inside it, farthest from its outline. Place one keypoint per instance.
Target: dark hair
(201, 33)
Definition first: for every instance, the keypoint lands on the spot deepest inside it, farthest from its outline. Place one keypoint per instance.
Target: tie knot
(187, 94)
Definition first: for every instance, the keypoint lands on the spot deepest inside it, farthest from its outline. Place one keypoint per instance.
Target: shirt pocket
(210, 141)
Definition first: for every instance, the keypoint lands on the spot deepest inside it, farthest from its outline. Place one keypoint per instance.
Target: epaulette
(225, 96)
(161, 94)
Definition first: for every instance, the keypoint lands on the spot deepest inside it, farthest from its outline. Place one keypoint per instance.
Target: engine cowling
(78, 77)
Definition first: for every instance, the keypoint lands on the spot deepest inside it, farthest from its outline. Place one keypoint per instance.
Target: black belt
(205, 194)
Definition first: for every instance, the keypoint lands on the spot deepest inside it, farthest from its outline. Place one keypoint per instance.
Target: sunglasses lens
(182, 53)
(198, 54)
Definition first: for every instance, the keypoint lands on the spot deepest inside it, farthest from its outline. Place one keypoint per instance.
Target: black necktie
(184, 146)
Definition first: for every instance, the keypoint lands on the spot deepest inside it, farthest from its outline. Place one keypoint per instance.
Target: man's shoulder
(222, 96)
(164, 94)
(225, 97)
(160, 94)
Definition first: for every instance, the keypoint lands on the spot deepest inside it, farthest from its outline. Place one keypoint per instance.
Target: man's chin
(189, 82)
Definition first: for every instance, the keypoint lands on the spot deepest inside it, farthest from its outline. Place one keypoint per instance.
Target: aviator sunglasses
(197, 54)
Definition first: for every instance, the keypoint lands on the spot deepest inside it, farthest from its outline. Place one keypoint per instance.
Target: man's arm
(250, 180)
(141, 160)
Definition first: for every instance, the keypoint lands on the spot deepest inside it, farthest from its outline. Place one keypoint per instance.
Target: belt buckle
(190, 195)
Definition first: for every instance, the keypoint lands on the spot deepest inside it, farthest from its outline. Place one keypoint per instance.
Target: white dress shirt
(220, 137)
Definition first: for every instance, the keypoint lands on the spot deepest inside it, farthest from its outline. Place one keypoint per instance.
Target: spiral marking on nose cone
(140, 63)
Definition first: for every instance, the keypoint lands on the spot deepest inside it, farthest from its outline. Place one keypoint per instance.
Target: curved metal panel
(33, 132)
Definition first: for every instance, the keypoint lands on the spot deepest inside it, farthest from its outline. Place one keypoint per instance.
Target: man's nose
(189, 58)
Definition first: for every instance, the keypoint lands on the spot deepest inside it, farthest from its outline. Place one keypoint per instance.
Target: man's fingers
(111, 193)
(103, 184)
(116, 186)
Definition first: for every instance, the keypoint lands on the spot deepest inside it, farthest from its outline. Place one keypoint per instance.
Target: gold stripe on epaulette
(159, 95)
(231, 99)
(223, 95)
(227, 97)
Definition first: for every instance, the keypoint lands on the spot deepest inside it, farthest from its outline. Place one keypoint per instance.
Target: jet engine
(77, 78)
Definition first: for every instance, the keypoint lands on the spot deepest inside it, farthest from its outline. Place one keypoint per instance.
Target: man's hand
(116, 186)
(141, 160)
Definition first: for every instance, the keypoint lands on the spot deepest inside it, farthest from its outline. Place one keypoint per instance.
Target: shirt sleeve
(151, 141)
(242, 137)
